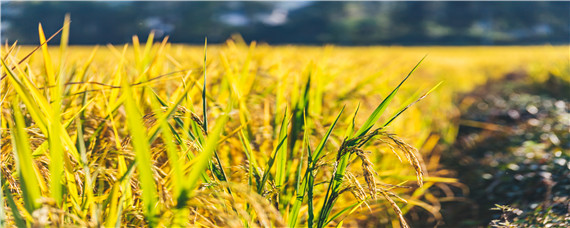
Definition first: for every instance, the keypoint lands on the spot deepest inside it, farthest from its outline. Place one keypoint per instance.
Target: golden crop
(122, 131)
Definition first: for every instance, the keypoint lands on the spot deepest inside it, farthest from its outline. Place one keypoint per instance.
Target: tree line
(342, 23)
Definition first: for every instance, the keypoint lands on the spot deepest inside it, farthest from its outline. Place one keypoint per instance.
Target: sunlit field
(239, 134)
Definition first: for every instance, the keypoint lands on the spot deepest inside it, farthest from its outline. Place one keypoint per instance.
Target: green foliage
(320, 22)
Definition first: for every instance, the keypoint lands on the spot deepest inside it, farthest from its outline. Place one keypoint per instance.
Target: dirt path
(513, 148)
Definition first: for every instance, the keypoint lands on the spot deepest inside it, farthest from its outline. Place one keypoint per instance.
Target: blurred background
(299, 22)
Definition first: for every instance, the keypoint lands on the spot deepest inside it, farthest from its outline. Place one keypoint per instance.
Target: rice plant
(163, 135)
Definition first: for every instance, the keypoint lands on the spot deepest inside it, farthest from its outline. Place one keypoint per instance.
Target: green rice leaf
(2, 213)
(204, 158)
(416, 101)
(269, 165)
(321, 145)
(346, 210)
(375, 116)
(25, 163)
(142, 154)
(171, 150)
(281, 154)
(18, 219)
(204, 104)
(301, 183)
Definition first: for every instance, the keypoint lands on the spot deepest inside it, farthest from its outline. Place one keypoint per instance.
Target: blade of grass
(50, 72)
(64, 37)
(350, 128)
(54, 128)
(56, 158)
(321, 145)
(203, 159)
(375, 116)
(416, 101)
(87, 199)
(112, 205)
(2, 212)
(18, 219)
(281, 154)
(142, 154)
(261, 186)
(301, 181)
(9, 49)
(28, 179)
(204, 104)
(348, 209)
(172, 152)
(147, 51)
(310, 188)
(297, 122)
(137, 51)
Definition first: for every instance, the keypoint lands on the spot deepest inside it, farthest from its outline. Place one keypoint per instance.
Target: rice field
(158, 134)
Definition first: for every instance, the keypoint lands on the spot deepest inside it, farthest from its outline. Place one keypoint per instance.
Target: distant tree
(345, 23)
